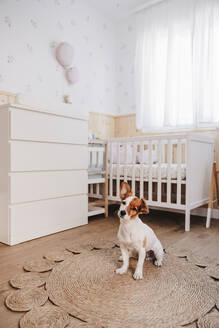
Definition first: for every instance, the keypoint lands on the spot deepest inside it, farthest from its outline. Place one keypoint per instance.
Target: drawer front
(35, 156)
(31, 186)
(27, 125)
(33, 220)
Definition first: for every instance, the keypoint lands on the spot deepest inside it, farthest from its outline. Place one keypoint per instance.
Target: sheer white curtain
(177, 65)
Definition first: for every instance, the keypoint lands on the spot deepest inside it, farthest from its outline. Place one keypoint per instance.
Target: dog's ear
(125, 190)
(143, 207)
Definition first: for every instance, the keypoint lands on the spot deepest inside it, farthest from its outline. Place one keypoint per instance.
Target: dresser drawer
(32, 186)
(36, 156)
(33, 220)
(30, 125)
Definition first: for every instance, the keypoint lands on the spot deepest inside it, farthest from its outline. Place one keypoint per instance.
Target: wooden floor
(168, 226)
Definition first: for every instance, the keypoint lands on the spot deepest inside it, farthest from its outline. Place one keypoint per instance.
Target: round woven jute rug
(38, 265)
(213, 271)
(217, 300)
(97, 244)
(191, 325)
(75, 323)
(199, 260)
(57, 255)
(211, 320)
(178, 251)
(46, 316)
(28, 280)
(26, 299)
(87, 287)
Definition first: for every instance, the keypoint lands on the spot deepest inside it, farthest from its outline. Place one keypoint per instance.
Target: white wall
(29, 32)
(126, 40)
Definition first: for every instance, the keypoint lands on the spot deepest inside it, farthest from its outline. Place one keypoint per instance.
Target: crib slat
(169, 162)
(111, 169)
(118, 170)
(159, 173)
(126, 161)
(97, 159)
(104, 160)
(91, 159)
(179, 167)
(100, 160)
(133, 166)
(95, 148)
(141, 170)
(98, 189)
(150, 172)
(94, 159)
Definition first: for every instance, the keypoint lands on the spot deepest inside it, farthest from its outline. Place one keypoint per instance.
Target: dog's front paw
(158, 263)
(120, 271)
(120, 258)
(137, 275)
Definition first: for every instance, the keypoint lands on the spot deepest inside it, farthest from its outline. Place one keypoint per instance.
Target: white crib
(169, 171)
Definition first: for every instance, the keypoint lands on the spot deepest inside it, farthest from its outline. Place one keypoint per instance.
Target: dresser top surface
(63, 110)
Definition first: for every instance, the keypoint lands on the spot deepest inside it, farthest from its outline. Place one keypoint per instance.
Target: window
(177, 65)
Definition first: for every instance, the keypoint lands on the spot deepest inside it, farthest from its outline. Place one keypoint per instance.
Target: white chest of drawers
(43, 172)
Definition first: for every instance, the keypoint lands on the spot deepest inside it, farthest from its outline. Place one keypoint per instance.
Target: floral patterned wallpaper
(29, 33)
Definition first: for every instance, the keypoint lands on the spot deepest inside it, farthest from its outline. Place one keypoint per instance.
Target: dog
(134, 235)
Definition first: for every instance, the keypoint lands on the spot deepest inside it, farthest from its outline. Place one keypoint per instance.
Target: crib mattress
(164, 171)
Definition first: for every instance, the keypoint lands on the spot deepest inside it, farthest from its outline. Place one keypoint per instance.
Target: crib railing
(145, 153)
(96, 169)
(97, 178)
(96, 156)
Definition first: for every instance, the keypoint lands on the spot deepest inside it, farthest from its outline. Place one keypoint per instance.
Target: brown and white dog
(133, 234)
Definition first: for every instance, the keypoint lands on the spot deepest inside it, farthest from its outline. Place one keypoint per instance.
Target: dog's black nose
(122, 213)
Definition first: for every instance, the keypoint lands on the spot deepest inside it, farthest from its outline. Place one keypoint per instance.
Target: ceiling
(119, 9)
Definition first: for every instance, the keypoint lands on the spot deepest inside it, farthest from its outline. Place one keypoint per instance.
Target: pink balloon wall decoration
(72, 75)
(64, 54)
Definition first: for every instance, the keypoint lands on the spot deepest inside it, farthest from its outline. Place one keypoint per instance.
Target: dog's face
(130, 206)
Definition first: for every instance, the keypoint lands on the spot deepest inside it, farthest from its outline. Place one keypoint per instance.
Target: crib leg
(211, 195)
(208, 221)
(106, 202)
(187, 220)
